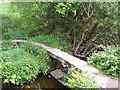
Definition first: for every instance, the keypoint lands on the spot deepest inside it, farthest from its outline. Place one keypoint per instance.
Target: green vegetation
(39, 53)
(77, 80)
(108, 61)
(81, 26)
(85, 24)
(20, 72)
(21, 64)
(16, 20)
(52, 41)
(78, 27)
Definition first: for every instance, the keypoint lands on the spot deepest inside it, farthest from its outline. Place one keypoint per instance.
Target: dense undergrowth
(52, 41)
(77, 25)
(78, 80)
(108, 61)
(21, 64)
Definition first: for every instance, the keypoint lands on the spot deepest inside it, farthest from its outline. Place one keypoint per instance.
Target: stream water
(41, 83)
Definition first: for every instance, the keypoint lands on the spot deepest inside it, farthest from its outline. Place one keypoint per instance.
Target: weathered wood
(102, 80)
(58, 74)
(63, 56)
(59, 55)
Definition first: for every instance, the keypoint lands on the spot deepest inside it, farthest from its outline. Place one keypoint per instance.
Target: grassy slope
(52, 41)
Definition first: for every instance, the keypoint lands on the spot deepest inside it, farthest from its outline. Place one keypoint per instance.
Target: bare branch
(88, 13)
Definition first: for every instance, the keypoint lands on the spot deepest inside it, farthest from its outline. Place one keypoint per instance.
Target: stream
(41, 83)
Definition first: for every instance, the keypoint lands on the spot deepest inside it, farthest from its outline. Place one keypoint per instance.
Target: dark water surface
(41, 83)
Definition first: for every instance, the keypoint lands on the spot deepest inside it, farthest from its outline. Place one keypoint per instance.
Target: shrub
(13, 55)
(108, 61)
(6, 45)
(20, 72)
(23, 63)
(18, 66)
(39, 53)
(12, 28)
(77, 80)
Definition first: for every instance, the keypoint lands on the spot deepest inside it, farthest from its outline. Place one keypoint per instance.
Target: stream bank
(41, 83)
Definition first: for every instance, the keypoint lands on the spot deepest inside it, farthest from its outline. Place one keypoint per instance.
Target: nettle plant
(20, 72)
(77, 80)
(108, 61)
(21, 64)
(39, 53)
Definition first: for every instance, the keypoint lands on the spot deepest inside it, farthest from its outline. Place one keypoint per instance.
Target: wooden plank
(63, 56)
(59, 55)
(101, 79)
(58, 74)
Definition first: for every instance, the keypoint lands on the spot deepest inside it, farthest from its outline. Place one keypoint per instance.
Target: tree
(88, 24)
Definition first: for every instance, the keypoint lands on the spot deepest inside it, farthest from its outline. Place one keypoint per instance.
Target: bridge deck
(63, 56)
(102, 80)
